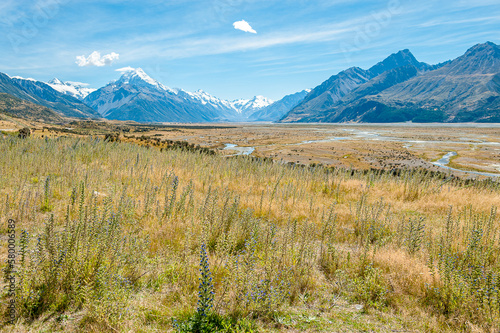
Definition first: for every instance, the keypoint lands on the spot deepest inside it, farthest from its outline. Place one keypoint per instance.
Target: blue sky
(194, 44)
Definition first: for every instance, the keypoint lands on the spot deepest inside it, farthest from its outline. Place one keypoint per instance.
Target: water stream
(443, 163)
(365, 135)
(239, 150)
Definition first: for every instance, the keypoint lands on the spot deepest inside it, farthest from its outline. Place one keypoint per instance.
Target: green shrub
(90, 262)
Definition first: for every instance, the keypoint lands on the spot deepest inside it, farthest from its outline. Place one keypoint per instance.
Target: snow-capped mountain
(139, 78)
(226, 109)
(248, 106)
(43, 94)
(242, 107)
(76, 89)
(137, 96)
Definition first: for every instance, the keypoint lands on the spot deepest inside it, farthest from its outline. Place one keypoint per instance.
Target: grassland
(144, 235)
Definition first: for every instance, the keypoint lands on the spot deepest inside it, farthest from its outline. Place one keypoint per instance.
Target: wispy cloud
(95, 59)
(193, 46)
(199, 46)
(478, 20)
(211, 46)
(125, 69)
(244, 26)
(476, 3)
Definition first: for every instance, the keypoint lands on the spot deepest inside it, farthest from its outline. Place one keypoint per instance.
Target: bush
(24, 132)
(89, 263)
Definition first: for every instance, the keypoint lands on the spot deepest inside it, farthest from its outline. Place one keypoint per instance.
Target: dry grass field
(340, 145)
(130, 228)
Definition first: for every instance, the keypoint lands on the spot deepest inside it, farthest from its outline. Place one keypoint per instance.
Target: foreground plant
(205, 319)
(131, 249)
(88, 263)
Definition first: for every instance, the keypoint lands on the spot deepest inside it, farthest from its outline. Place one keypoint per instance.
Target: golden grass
(283, 209)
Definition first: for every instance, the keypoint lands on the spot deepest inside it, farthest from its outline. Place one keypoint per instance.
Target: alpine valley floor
(126, 227)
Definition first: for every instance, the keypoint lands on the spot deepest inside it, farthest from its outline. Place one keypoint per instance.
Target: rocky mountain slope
(19, 108)
(330, 92)
(278, 109)
(402, 89)
(41, 93)
(136, 96)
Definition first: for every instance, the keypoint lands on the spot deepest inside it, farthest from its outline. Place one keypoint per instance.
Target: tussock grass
(110, 236)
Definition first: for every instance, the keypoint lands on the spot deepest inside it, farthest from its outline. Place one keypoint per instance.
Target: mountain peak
(480, 59)
(488, 48)
(260, 101)
(260, 98)
(78, 90)
(135, 74)
(400, 58)
(138, 77)
(55, 81)
(405, 51)
(482, 46)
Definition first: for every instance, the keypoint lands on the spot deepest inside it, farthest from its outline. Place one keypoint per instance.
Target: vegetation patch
(113, 236)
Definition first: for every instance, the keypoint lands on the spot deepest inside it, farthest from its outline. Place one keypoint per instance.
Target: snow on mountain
(249, 106)
(241, 106)
(76, 89)
(207, 99)
(41, 93)
(137, 76)
(137, 96)
(127, 98)
(23, 78)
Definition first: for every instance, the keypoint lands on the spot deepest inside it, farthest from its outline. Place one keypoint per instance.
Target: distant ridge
(400, 88)
(397, 89)
(278, 109)
(43, 94)
(74, 89)
(136, 96)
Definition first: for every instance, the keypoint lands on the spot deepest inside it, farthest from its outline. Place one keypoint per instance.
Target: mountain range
(278, 109)
(401, 89)
(75, 89)
(397, 89)
(136, 96)
(41, 93)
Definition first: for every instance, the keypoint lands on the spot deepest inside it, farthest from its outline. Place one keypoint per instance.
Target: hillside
(19, 108)
(462, 90)
(325, 96)
(278, 109)
(41, 93)
(136, 96)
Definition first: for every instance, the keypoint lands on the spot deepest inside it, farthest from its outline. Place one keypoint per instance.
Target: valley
(475, 147)
(359, 146)
(342, 227)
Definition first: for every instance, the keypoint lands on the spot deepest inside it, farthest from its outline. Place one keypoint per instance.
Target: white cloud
(125, 69)
(95, 59)
(243, 26)
(74, 83)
